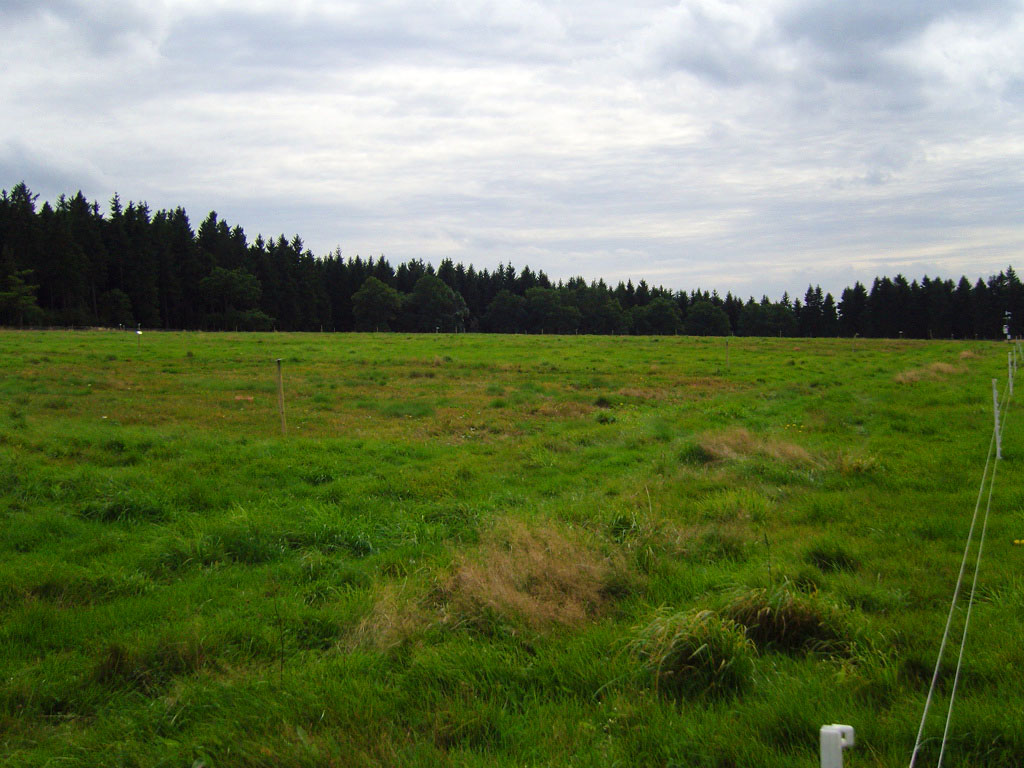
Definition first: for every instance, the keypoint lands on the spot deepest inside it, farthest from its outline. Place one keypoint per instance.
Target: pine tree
(853, 306)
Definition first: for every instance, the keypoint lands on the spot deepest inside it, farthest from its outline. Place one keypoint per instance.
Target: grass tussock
(395, 618)
(695, 653)
(739, 443)
(722, 541)
(932, 372)
(847, 463)
(153, 665)
(829, 556)
(644, 394)
(539, 577)
(783, 619)
(125, 506)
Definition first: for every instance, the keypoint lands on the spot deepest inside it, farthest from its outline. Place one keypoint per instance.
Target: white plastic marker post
(1009, 370)
(995, 406)
(834, 739)
(138, 335)
(281, 397)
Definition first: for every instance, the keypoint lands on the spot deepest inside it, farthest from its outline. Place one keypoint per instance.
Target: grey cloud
(104, 28)
(1013, 92)
(862, 41)
(727, 50)
(806, 145)
(12, 9)
(276, 42)
(46, 176)
(876, 24)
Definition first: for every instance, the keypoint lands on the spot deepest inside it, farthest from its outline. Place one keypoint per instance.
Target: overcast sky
(754, 146)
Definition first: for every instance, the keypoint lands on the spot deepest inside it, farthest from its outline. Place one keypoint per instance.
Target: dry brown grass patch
(538, 576)
(968, 355)
(910, 376)
(738, 442)
(644, 394)
(933, 371)
(730, 444)
(396, 616)
(852, 464)
(563, 409)
(788, 452)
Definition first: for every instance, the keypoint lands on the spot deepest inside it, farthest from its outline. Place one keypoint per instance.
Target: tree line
(71, 264)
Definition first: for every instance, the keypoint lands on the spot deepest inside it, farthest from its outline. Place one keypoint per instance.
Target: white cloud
(752, 146)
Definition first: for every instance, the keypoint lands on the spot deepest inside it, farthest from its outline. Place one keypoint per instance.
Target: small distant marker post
(138, 336)
(995, 407)
(280, 396)
(1009, 370)
(727, 353)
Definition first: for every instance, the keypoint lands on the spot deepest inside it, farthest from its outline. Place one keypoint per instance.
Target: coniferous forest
(71, 264)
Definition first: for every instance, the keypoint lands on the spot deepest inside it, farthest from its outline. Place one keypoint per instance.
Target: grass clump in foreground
(781, 618)
(456, 554)
(695, 653)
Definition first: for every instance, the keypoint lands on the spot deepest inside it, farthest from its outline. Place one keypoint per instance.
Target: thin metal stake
(281, 397)
(995, 406)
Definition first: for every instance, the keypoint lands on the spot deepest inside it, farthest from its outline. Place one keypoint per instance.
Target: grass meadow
(498, 550)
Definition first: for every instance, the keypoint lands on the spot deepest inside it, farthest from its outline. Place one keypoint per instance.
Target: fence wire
(987, 480)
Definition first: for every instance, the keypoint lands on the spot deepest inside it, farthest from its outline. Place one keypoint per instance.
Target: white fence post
(280, 396)
(995, 408)
(834, 739)
(1009, 370)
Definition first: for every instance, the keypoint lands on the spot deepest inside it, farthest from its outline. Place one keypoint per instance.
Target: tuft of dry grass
(539, 577)
(910, 376)
(790, 453)
(562, 409)
(849, 464)
(395, 617)
(645, 394)
(932, 371)
(731, 444)
(738, 442)
(968, 355)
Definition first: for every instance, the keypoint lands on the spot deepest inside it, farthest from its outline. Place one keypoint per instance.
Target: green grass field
(484, 550)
